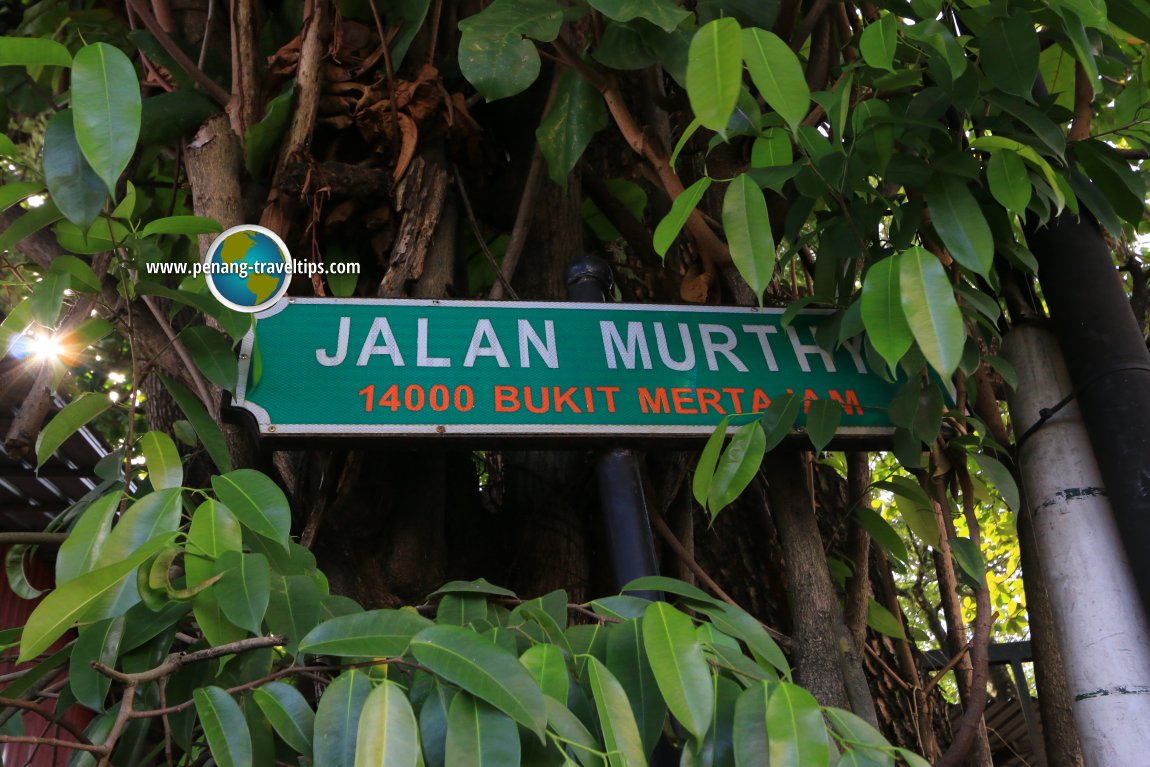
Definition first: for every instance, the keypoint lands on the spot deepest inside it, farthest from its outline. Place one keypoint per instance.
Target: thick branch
(1083, 104)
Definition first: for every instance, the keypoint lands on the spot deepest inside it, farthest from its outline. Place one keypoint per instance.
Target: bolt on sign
(356, 368)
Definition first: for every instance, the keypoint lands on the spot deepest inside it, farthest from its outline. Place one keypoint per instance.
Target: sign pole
(621, 497)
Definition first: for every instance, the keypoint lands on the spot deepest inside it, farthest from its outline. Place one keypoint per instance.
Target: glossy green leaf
(206, 427)
(165, 469)
(882, 311)
(737, 466)
(914, 506)
(213, 355)
(257, 502)
(18, 191)
(1008, 53)
(99, 642)
(80, 552)
(682, 207)
(80, 275)
(882, 532)
(1075, 30)
(748, 229)
(224, 726)
(483, 669)
(616, 721)
(779, 418)
(479, 735)
(371, 634)
(823, 419)
(1001, 477)
(546, 665)
(337, 720)
(798, 736)
(48, 297)
(664, 14)
(750, 726)
(262, 140)
(708, 461)
(569, 727)
(294, 608)
(494, 55)
(627, 660)
(289, 713)
(576, 114)
(33, 52)
(28, 224)
(878, 41)
(1008, 180)
(68, 421)
(679, 666)
(883, 620)
(388, 735)
(245, 589)
(715, 72)
(151, 515)
(969, 557)
(107, 106)
(931, 310)
(70, 602)
(477, 586)
(777, 73)
(433, 724)
(189, 225)
(214, 530)
(772, 149)
(75, 188)
(958, 219)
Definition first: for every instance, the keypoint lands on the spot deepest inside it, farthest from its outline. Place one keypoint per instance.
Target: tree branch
(50, 716)
(1083, 104)
(176, 661)
(182, 60)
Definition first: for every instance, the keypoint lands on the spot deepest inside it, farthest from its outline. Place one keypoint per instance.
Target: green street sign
(356, 368)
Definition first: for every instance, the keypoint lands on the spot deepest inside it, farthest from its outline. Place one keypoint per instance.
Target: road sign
(356, 368)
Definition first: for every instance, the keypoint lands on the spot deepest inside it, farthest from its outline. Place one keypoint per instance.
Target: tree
(884, 161)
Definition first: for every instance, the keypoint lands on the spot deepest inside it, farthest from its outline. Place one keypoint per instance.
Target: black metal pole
(1109, 366)
(621, 496)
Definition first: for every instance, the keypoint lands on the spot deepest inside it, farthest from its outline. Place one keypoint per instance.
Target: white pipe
(1102, 627)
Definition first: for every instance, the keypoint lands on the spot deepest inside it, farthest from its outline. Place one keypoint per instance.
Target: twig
(215, 91)
(885, 667)
(478, 234)
(176, 661)
(181, 351)
(54, 742)
(49, 716)
(522, 225)
(950, 664)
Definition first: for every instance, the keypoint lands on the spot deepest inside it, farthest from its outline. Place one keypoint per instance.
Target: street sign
(356, 368)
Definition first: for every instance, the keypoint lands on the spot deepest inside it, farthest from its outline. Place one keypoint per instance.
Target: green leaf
(969, 557)
(206, 427)
(737, 466)
(748, 229)
(33, 52)
(68, 421)
(798, 737)
(479, 735)
(294, 609)
(245, 589)
(715, 72)
(627, 660)
(1008, 181)
(152, 515)
(477, 586)
(75, 188)
(388, 735)
(18, 191)
(777, 73)
(70, 602)
(882, 312)
(931, 310)
(342, 285)
(779, 418)
(681, 209)
(485, 670)
(99, 642)
(708, 460)
(914, 506)
(289, 713)
(48, 297)
(262, 140)
(433, 724)
(620, 733)
(823, 418)
(546, 665)
(80, 276)
(1001, 477)
(80, 552)
(1083, 51)
(224, 726)
(28, 224)
(337, 720)
(17, 577)
(213, 355)
(494, 55)
(107, 107)
(568, 726)
(664, 14)
(371, 634)
(670, 586)
(750, 726)
(883, 620)
(189, 225)
(165, 469)
(772, 149)
(959, 221)
(214, 530)
(738, 623)
(257, 502)
(882, 532)
(575, 116)
(1008, 50)
(679, 666)
(878, 42)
